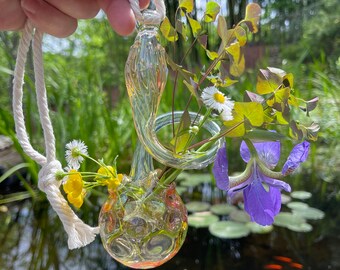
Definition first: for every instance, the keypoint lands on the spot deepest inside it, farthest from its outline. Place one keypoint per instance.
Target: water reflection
(32, 237)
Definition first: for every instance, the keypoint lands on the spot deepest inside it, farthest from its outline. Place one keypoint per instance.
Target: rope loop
(79, 233)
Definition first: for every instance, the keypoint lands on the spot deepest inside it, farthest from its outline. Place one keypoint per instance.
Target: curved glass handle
(145, 75)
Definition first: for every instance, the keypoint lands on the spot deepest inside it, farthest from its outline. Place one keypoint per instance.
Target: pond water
(32, 237)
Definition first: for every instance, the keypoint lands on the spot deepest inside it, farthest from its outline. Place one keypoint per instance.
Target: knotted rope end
(82, 236)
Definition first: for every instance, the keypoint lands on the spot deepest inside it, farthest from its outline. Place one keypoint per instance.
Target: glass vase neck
(147, 28)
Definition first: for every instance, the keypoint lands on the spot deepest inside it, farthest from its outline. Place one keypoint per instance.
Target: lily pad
(310, 213)
(297, 205)
(257, 228)
(201, 177)
(197, 206)
(202, 219)
(183, 176)
(285, 219)
(229, 229)
(222, 209)
(190, 183)
(193, 180)
(301, 195)
(240, 216)
(303, 227)
(285, 199)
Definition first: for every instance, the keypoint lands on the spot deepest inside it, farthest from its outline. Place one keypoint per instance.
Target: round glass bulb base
(141, 231)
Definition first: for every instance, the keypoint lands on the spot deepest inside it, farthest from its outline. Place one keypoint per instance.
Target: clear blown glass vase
(143, 223)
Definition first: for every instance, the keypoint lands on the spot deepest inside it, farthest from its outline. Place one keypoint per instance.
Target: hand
(59, 17)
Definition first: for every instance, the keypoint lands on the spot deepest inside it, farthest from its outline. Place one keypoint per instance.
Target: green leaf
(192, 87)
(182, 29)
(288, 80)
(237, 61)
(312, 132)
(182, 135)
(212, 55)
(13, 170)
(253, 111)
(241, 35)
(18, 196)
(310, 105)
(267, 81)
(168, 30)
(195, 26)
(222, 27)
(253, 12)
(264, 135)
(243, 112)
(268, 115)
(250, 96)
(187, 75)
(203, 40)
(300, 132)
(279, 99)
(187, 5)
(281, 118)
(227, 82)
(295, 131)
(212, 9)
(293, 100)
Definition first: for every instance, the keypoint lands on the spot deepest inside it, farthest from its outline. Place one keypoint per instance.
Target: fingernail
(27, 5)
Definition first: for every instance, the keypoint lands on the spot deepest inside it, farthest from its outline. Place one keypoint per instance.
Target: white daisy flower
(226, 114)
(74, 153)
(214, 99)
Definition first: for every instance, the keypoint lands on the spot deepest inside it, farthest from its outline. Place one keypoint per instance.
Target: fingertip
(59, 32)
(49, 19)
(12, 16)
(120, 17)
(143, 4)
(123, 29)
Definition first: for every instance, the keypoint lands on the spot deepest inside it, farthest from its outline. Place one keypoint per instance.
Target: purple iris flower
(262, 204)
(298, 155)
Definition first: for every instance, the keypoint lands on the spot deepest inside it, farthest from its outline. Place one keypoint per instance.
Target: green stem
(263, 168)
(251, 148)
(164, 182)
(238, 179)
(200, 125)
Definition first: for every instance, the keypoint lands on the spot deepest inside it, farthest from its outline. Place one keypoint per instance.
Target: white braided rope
(18, 82)
(149, 16)
(79, 233)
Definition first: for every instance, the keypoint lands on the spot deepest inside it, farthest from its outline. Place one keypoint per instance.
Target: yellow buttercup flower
(113, 183)
(108, 171)
(76, 201)
(110, 177)
(74, 188)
